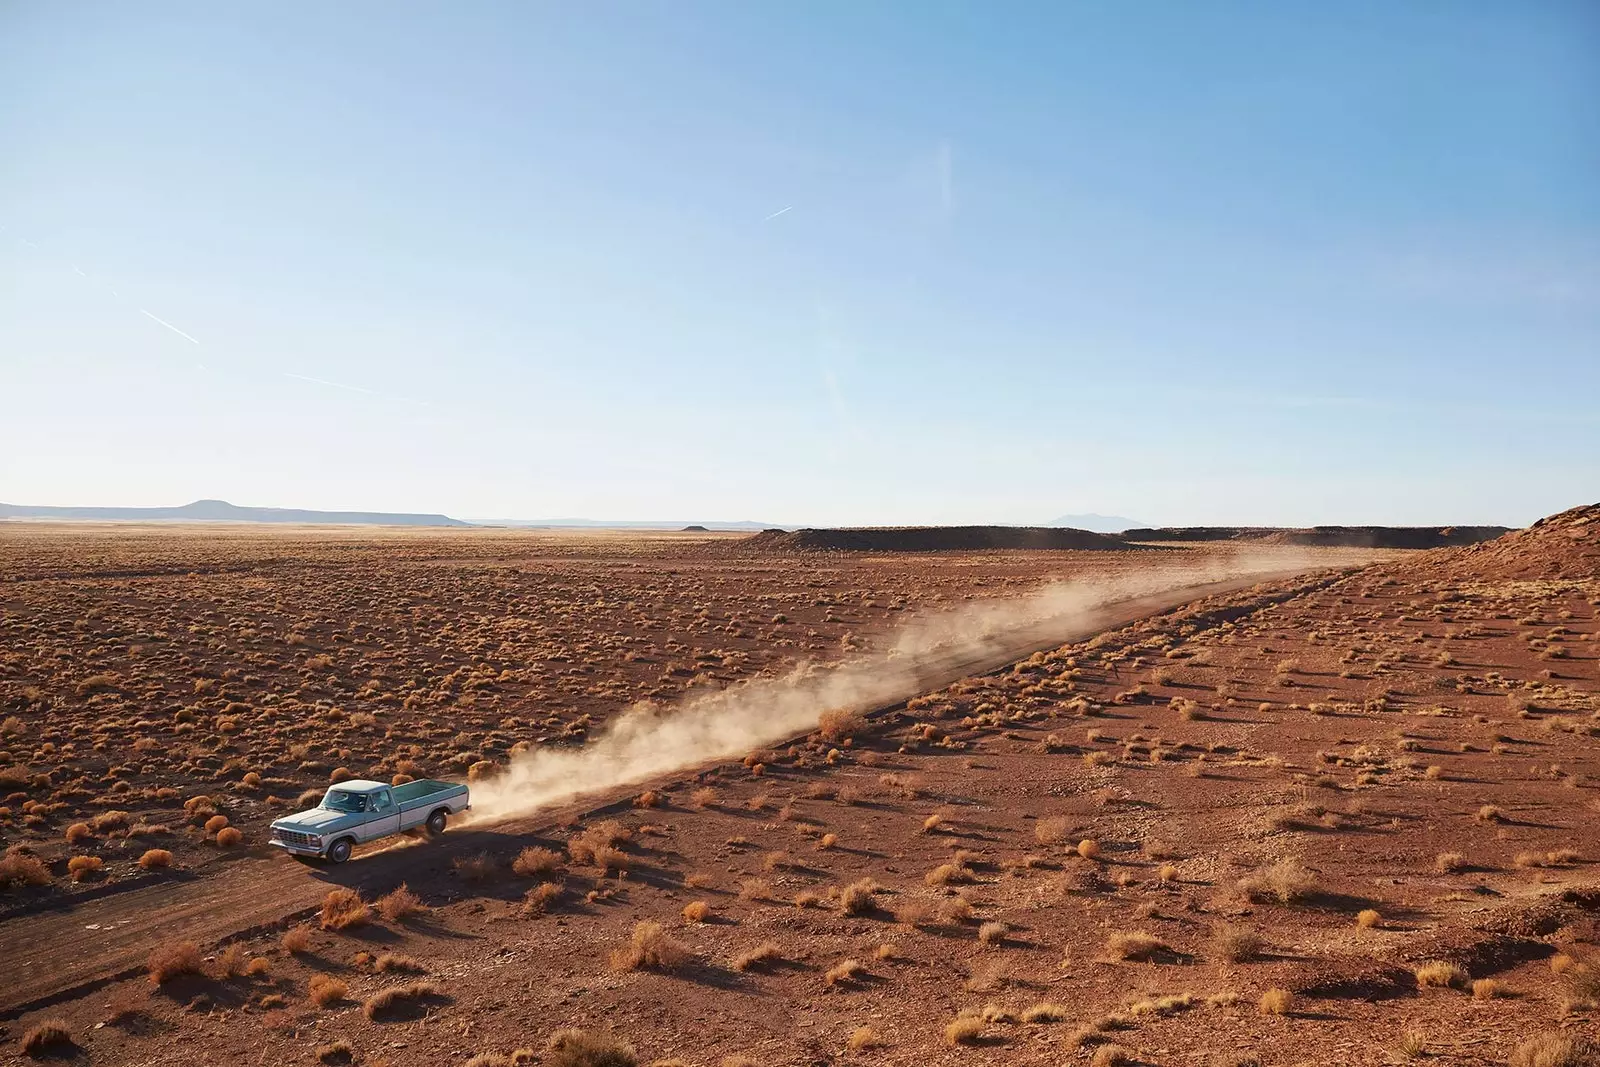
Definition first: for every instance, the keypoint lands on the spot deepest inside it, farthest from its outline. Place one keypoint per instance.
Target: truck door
(384, 818)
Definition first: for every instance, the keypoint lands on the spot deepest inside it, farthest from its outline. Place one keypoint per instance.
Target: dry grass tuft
(539, 899)
(343, 909)
(837, 724)
(1489, 989)
(857, 898)
(81, 867)
(964, 1028)
(844, 972)
(1413, 1045)
(1367, 918)
(696, 911)
(536, 862)
(397, 904)
(1440, 974)
(231, 961)
(650, 948)
(1169, 1005)
(324, 990)
(48, 1038)
(155, 858)
(175, 960)
(765, 953)
(295, 940)
(949, 874)
(1287, 881)
(1052, 829)
(1134, 945)
(1277, 1002)
(19, 868)
(955, 910)
(755, 889)
(597, 846)
(864, 1037)
(585, 1048)
(1551, 1049)
(1046, 1012)
(478, 869)
(394, 961)
(400, 1001)
(340, 1052)
(1234, 944)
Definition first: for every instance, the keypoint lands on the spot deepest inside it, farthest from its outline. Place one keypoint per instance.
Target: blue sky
(833, 263)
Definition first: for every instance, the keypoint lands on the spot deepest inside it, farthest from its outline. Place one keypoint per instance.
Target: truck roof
(358, 785)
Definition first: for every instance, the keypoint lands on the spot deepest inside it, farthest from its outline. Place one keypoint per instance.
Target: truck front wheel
(436, 822)
(339, 851)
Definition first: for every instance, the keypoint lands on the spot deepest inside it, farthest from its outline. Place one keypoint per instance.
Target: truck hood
(317, 821)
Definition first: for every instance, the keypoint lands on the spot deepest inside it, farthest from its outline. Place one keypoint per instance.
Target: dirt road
(55, 955)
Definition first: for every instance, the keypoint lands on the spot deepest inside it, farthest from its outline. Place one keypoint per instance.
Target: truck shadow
(475, 863)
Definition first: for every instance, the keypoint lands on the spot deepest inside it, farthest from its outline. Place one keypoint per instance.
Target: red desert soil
(1346, 816)
(155, 678)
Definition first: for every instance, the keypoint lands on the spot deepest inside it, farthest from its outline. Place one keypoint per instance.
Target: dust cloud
(651, 740)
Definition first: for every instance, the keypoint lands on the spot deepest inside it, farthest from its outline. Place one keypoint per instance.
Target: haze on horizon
(829, 263)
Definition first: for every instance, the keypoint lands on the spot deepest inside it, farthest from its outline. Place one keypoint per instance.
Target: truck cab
(372, 801)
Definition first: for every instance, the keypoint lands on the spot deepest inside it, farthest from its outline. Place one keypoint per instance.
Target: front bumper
(298, 843)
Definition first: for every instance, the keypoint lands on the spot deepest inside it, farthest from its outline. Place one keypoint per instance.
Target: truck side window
(381, 801)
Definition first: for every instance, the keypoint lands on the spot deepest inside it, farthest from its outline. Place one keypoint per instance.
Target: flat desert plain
(1183, 804)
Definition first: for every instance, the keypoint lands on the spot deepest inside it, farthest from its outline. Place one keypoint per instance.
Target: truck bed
(423, 790)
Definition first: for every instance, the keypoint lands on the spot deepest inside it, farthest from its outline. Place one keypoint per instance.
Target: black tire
(339, 851)
(436, 822)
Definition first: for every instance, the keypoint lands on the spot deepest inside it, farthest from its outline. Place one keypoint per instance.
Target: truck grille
(295, 837)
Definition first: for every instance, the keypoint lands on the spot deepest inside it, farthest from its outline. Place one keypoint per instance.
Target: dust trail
(649, 740)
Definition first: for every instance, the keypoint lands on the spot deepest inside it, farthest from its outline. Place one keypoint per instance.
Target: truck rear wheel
(339, 851)
(436, 822)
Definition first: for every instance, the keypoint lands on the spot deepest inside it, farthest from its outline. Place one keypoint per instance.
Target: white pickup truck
(359, 811)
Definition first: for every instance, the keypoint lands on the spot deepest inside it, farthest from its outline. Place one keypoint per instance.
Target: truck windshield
(339, 800)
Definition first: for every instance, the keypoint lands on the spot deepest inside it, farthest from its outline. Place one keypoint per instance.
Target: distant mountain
(629, 524)
(1097, 523)
(222, 511)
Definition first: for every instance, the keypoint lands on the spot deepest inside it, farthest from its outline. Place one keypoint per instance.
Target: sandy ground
(1239, 829)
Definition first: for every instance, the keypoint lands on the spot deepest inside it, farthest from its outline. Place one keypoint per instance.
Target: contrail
(358, 389)
(780, 211)
(335, 385)
(168, 325)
